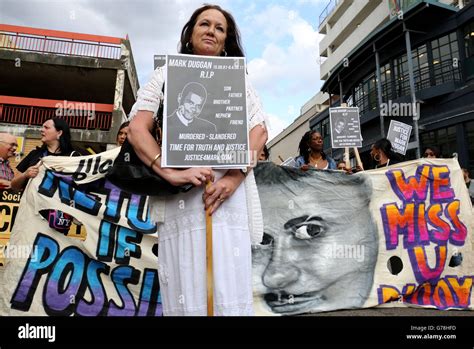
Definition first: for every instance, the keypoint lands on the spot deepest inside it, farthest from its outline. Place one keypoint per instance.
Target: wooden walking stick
(359, 162)
(209, 268)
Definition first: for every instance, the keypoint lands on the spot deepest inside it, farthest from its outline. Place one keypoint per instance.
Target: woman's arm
(5, 184)
(18, 183)
(148, 149)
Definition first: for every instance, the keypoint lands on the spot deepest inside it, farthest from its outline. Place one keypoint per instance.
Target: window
(470, 144)
(445, 58)
(325, 132)
(469, 48)
(469, 39)
(444, 139)
(402, 82)
(350, 101)
(421, 68)
(386, 82)
(365, 94)
(317, 128)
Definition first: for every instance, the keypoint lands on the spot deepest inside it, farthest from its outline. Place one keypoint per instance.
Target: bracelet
(244, 172)
(157, 156)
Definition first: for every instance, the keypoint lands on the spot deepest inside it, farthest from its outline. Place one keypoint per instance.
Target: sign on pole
(399, 135)
(205, 114)
(159, 61)
(345, 127)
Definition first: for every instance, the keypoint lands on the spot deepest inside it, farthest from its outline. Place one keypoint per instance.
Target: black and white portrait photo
(340, 125)
(186, 118)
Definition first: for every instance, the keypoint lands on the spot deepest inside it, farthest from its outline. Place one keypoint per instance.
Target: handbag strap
(158, 121)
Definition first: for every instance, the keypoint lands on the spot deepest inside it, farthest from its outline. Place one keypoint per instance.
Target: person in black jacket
(56, 138)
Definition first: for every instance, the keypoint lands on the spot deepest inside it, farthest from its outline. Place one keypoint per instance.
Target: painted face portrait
(321, 243)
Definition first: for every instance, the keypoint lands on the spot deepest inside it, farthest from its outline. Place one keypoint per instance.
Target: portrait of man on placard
(340, 126)
(186, 118)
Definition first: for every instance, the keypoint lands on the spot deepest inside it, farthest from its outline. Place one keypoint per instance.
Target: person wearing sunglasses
(8, 147)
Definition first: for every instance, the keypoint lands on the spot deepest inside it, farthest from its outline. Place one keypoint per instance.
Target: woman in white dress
(232, 197)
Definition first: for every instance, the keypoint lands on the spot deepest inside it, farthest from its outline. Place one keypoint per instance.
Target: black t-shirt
(35, 155)
(57, 220)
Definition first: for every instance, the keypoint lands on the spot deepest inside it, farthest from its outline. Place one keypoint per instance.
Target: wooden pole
(359, 162)
(347, 158)
(209, 268)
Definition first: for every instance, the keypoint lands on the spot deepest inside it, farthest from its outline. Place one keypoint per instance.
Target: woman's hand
(304, 167)
(358, 168)
(196, 176)
(4, 184)
(221, 190)
(32, 171)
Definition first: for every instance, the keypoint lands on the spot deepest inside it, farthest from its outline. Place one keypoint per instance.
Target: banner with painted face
(399, 236)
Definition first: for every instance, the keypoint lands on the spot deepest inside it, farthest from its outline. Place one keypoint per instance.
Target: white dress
(182, 237)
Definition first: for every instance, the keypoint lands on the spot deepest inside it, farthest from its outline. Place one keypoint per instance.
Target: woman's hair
(125, 124)
(386, 146)
(65, 146)
(233, 45)
(266, 152)
(434, 149)
(304, 146)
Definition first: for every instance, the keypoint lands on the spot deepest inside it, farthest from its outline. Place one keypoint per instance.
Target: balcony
(34, 112)
(17, 38)
(327, 10)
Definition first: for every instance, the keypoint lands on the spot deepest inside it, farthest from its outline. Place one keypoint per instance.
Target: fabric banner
(399, 236)
(110, 271)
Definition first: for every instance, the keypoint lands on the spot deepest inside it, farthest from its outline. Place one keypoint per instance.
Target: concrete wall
(349, 24)
(82, 79)
(285, 145)
(359, 20)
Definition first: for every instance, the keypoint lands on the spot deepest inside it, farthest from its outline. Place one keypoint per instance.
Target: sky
(280, 38)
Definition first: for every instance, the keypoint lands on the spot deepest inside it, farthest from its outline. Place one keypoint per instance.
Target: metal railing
(327, 10)
(67, 47)
(442, 73)
(36, 116)
(425, 77)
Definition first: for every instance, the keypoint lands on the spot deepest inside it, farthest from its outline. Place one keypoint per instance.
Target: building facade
(285, 144)
(89, 80)
(422, 56)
